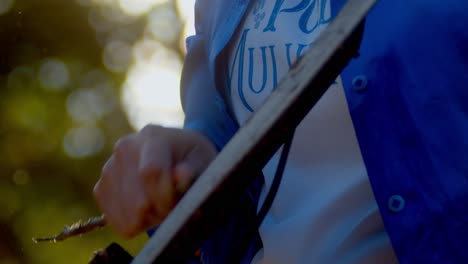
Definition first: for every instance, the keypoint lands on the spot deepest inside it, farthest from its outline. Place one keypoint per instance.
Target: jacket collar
(227, 18)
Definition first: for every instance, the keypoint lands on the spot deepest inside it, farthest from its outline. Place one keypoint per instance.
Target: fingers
(147, 174)
(119, 192)
(107, 193)
(156, 177)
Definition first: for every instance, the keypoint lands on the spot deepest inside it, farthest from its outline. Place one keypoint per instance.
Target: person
(378, 169)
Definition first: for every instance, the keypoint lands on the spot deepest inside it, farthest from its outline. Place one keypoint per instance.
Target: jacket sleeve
(205, 110)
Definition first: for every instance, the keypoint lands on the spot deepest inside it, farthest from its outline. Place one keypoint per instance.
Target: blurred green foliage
(49, 56)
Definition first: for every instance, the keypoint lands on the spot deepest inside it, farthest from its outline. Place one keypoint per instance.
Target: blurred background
(75, 75)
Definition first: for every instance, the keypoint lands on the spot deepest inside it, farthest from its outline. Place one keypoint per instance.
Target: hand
(146, 175)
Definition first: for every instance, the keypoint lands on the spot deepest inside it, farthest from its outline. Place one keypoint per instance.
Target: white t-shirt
(324, 211)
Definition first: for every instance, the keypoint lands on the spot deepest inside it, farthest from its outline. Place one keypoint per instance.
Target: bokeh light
(189, 30)
(150, 93)
(151, 83)
(138, 7)
(89, 105)
(117, 56)
(164, 25)
(185, 8)
(83, 141)
(54, 74)
(21, 177)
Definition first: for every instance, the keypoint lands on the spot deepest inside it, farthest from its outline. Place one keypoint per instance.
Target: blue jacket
(408, 99)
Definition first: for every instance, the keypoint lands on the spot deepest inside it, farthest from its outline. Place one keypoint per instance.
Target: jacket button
(396, 203)
(360, 83)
